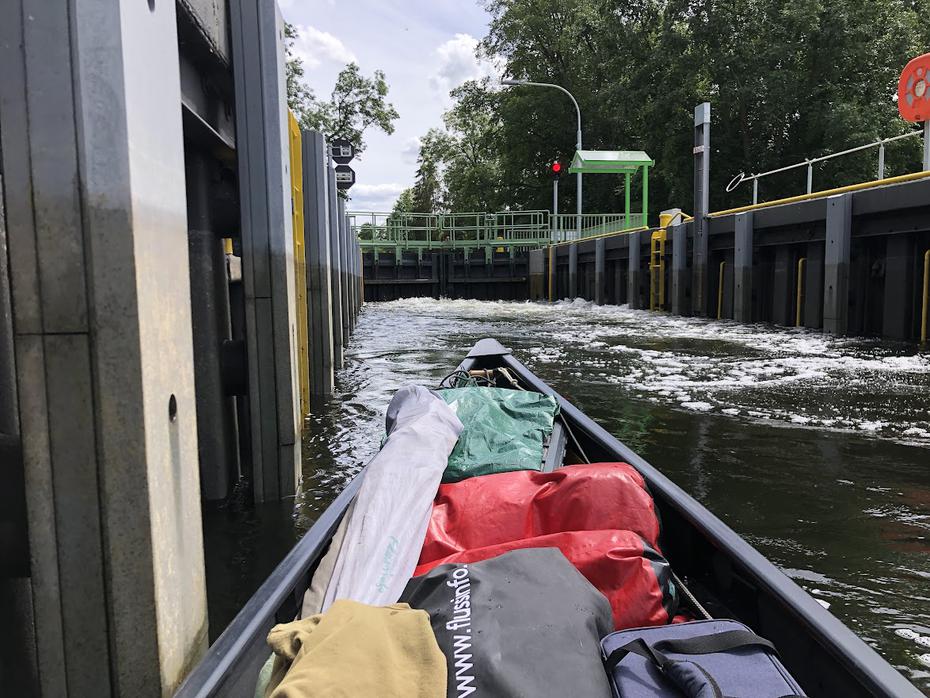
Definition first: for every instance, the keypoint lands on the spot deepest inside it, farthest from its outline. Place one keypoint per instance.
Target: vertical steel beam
(700, 283)
(356, 276)
(353, 271)
(573, 270)
(17, 615)
(537, 272)
(742, 271)
(679, 269)
(349, 274)
(267, 246)
(783, 287)
(345, 287)
(634, 273)
(899, 286)
(812, 314)
(353, 267)
(600, 251)
(216, 426)
(836, 264)
(319, 283)
(335, 241)
(554, 221)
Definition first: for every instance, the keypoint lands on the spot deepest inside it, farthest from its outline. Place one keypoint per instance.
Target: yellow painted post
(657, 263)
(657, 270)
(300, 264)
(552, 274)
(797, 313)
(723, 266)
(926, 298)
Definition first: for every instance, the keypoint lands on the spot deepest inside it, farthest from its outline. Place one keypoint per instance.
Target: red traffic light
(557, 167)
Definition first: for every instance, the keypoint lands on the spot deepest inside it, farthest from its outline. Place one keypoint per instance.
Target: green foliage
(472, 149)
(786, 81)
(428, 191)
(300, 98)
(404, 203)
(357, 103)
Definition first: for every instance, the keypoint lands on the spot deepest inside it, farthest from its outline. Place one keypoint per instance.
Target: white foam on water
(698, 406)
(800, 377)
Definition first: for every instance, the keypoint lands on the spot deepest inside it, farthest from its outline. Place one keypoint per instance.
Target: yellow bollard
(797, 314)
(723, 266)
(923, 313)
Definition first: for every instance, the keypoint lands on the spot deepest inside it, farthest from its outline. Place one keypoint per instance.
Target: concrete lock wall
(333, 265)
(847, 264)
(850, 264)
(95, 218)
(319, 265)
(141, 304)
(483, 274)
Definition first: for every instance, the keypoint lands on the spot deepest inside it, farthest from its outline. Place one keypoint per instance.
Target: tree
(357, 103)
(404, 203)
(473, 149)
(428, 189)
(300, 98)
(786, 81)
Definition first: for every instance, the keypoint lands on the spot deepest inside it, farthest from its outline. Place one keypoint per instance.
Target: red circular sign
(914, 90)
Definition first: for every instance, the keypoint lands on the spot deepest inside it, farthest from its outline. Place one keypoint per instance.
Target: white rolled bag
(376, 547)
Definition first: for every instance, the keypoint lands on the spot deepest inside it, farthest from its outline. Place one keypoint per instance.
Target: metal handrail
(565, 226)
(536, 228)
(810, 162)
(457, 230)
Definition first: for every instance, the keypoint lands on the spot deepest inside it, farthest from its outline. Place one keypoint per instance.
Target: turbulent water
(815, 449)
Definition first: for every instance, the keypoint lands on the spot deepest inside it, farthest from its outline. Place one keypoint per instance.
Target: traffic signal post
(556, 169)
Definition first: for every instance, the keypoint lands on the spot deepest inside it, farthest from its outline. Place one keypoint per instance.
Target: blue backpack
(701, 659)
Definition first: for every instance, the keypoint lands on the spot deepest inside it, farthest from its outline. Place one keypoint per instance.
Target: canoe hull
(729, 576)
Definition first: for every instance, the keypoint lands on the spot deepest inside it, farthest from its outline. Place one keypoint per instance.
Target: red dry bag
(503, 507)
(633, 576)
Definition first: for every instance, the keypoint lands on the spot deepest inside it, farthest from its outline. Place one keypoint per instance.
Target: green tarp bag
(504, 430)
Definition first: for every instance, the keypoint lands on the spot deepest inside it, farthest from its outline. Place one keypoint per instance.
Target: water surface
(814, 448)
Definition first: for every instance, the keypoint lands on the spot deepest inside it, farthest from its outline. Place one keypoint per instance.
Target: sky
(424, 47)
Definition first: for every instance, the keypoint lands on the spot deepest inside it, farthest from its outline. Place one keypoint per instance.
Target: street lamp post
(527, 83)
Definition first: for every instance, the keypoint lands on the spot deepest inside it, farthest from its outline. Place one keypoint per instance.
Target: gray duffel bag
(702, 659)
(525, 623)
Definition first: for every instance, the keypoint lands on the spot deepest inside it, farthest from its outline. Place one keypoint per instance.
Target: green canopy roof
(609, 161)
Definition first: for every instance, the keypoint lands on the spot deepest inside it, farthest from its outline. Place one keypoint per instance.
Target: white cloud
(374, 197)
(315, 47)
(410, 151)
(458, 62)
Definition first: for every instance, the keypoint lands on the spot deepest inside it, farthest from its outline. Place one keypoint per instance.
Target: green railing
(565, 226)
(428, 231)
(505, 230)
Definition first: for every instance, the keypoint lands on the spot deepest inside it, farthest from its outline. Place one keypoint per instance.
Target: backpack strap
(702, 644)
(689, 676)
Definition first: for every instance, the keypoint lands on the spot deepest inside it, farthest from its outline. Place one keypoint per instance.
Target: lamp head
(512, 82)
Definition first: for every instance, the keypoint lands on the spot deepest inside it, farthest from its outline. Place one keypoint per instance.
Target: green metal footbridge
(501, 231)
